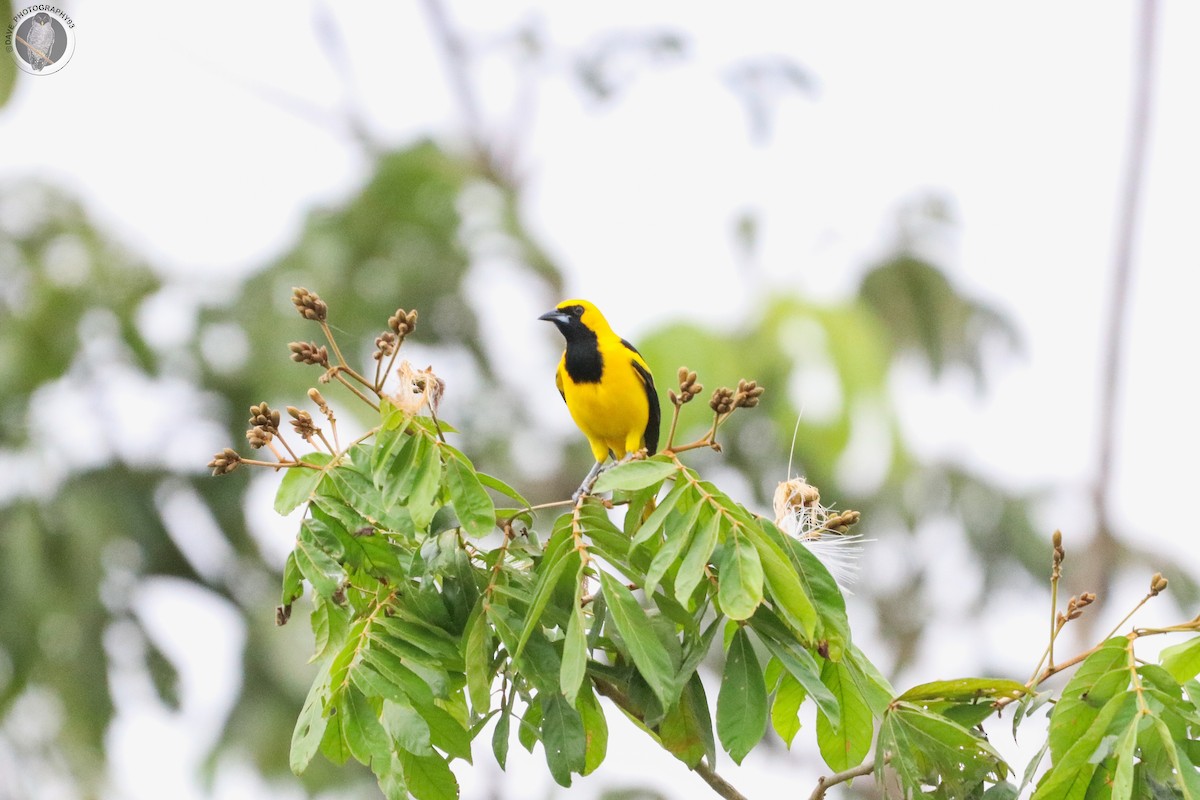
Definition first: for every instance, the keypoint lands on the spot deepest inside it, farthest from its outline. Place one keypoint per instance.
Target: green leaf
(740, 582)
(1182, 660)
(549, 571)
(801, 665)
(310, 725)
(820, 587)
(647, 652)
(699, 551)
(364, 733)
(494, 483)
(330, 622)
(428, 777)
(333, 743)
(575, 649)
(783, 580)
(317, 566)
(668, 554)
(1100, 677)
(964, 690)
(563, 738)
(595, 728)
(422, 503)
(446, 732)
(475, 510)
(1185, 772)
(501, 736)
(1122, 776)
(292, 581)
(478, 648)
(650, 527)
(407, 727)
(930, 750)
(845, 744)
(1071, 772)
(742, 700)
(686, 730)
(299, 483)
(389, 667)
(785, 709)
(635, 474)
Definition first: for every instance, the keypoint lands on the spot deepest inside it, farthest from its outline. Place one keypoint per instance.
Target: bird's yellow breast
(613, 412)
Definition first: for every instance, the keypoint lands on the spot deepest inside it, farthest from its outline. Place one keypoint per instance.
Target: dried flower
(225, 462)
(309, 353)
(1157, 584)
(309, 304)
(799, 513)
(417, 389)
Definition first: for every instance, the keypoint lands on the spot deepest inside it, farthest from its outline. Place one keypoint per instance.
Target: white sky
(162, 124)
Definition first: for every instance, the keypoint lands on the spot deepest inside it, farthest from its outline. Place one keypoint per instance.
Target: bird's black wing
(654, 421)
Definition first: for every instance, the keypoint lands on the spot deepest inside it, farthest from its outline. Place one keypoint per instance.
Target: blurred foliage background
(106, 423)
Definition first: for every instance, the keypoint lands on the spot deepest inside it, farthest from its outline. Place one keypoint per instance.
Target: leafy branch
(443, 603)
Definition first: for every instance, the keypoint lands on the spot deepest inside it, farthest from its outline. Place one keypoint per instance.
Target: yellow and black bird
(607, 386)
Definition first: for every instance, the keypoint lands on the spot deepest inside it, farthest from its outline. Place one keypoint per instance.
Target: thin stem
(391, 363)
(503, 553)
(826, 781)
(278, 464)
(1054, 627)
(337, 373)
(1126, 618)
(674, 424)
(321, 435)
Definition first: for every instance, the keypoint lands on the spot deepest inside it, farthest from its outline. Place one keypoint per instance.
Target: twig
(826, 781)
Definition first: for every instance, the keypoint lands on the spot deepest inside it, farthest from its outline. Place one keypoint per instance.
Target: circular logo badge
(40, 39)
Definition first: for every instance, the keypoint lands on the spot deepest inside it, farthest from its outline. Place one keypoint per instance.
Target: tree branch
(719, 785)
(826, 781)
(1102, 549)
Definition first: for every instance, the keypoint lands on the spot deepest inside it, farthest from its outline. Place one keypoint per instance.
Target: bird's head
(577, 319)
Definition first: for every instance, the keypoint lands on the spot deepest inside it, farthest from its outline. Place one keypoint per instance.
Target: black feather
(583, 360)
(654, 421)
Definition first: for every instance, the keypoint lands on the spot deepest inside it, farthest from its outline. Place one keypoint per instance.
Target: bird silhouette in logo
(40, 41)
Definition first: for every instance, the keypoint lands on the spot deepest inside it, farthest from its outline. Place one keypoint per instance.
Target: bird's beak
(555, 316)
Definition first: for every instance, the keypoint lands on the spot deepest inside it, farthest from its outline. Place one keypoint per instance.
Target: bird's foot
(585, 488)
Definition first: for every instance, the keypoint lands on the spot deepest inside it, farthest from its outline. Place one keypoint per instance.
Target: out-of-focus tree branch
(1101, 555)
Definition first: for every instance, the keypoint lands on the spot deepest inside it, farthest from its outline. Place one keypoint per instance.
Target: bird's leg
(586, 486)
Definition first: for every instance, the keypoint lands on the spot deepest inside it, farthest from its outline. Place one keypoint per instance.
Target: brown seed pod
(309, 353)
(309, 304)
(225, 462)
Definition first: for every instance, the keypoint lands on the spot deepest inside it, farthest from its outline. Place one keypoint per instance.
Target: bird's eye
(577, 311)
